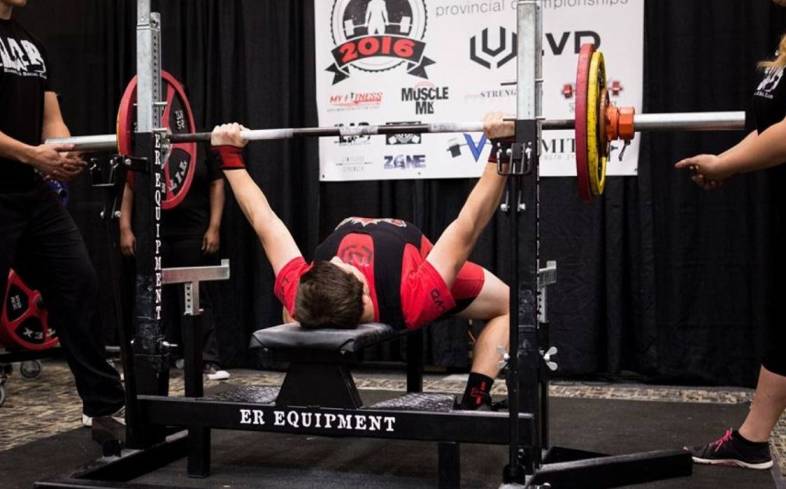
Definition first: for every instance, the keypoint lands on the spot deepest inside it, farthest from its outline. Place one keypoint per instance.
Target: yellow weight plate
(596, 160)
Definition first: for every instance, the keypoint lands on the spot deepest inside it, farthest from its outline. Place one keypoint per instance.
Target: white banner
(413, 61)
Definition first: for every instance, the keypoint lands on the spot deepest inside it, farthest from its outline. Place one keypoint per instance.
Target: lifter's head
(332, 294)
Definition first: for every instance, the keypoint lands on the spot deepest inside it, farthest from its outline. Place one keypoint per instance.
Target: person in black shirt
(38, 238)
(190, 238)
(763, 147)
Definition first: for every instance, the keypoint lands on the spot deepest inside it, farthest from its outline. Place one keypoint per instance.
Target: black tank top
(389, 238)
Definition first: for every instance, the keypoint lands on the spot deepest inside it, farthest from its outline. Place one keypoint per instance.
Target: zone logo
(404, 162)
(377, 36)
(503, 51)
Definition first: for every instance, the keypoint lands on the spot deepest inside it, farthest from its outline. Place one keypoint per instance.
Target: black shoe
(732, 449)
(110, 433)
(460, 405)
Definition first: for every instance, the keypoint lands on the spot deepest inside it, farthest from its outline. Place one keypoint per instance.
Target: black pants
(187, 252)
(40, 241)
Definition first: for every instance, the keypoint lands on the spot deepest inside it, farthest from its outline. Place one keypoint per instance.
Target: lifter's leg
(492, 306)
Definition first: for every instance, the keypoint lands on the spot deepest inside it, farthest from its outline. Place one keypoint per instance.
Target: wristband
(499, 150)
(230, 157)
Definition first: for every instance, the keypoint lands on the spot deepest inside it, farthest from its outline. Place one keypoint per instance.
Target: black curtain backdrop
(659, 278)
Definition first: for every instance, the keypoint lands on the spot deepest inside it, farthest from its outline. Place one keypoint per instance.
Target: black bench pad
(292, 336)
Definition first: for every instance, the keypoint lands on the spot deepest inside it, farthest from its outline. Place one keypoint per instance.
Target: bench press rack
(150, 412)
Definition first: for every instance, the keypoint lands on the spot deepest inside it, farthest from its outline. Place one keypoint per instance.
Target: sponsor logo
(350, 164)
(405, 162)
(355, 100)
(493, 53)
(491, 94)
(402, 138)
(378, 35)
(558, 42)
(353, 139)
(291, 419)
(424, 95)
(475, 147)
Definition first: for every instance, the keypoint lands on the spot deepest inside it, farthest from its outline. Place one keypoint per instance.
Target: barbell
(597, 123)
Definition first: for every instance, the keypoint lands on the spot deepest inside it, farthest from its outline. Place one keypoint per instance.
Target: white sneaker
(213, 372)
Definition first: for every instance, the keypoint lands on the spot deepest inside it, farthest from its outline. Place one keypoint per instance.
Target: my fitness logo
(378, 35)
(355, 100)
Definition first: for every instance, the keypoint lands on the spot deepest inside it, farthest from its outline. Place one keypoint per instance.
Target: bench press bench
(320, 360)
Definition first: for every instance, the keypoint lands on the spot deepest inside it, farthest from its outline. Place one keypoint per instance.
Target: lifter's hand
(56, 161)
(496, 127)
(709, 172)
(228, 135)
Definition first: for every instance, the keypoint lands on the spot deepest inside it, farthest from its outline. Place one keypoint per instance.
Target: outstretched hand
(708, 170)
(228, 135)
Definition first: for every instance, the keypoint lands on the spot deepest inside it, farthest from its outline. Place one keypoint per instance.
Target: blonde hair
(780, 57)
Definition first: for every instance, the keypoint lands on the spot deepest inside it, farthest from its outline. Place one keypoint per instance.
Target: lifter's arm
(276, 239)
(456, 243)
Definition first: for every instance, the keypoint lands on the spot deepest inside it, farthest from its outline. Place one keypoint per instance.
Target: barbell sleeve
(676, 121)
(97, 143)
(690, 121)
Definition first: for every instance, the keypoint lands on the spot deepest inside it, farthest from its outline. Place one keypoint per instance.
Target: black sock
(477, 392)
(737, 436)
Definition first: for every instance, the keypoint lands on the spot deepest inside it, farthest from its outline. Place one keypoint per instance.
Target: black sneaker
(484, 404)
(732, 449)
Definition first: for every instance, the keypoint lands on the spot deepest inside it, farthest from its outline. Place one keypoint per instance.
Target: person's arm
(755, 152)
(127, 238)
(211, 241)
(278, 243)
(54, 126)
(456, 243)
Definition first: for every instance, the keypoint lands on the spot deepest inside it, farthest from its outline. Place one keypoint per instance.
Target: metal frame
(524, 428)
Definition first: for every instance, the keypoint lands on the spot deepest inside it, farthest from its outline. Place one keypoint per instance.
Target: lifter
(386, 270)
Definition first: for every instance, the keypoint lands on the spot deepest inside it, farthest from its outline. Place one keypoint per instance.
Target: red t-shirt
(424, 295)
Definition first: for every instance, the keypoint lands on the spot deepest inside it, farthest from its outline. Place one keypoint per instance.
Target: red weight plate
(24, 323)
(180, 166)
(580, 123)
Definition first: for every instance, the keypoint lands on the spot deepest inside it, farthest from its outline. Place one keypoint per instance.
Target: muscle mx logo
(503, 50)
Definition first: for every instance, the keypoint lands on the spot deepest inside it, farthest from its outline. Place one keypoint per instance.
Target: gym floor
(43, 413)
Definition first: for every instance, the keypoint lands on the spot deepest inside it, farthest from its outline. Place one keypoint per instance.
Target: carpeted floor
(40, 422)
